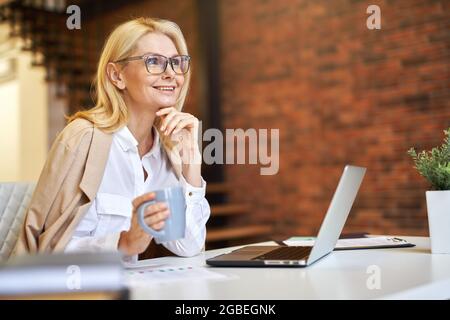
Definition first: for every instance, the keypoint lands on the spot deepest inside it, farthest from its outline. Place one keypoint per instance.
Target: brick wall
(339, 93)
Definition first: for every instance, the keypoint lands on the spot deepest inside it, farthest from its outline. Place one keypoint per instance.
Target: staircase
(227, 226)
(69, 56)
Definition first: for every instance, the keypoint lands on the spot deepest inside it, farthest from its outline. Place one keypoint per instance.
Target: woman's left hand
(183, 127)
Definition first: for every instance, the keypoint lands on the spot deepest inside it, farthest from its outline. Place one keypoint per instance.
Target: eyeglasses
(157, 64)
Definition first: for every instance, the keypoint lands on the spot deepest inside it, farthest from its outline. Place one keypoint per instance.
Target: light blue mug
(175, 224)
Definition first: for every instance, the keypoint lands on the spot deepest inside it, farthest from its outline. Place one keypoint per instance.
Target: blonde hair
(110, 111)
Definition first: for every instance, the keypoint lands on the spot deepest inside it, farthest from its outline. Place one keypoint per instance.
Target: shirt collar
(128, 142)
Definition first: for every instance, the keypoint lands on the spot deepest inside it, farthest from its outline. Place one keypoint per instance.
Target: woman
(107, 159)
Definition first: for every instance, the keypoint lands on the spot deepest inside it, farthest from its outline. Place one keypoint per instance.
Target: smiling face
(144, 90)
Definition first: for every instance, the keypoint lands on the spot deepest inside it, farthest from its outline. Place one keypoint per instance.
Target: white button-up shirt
(123, 180)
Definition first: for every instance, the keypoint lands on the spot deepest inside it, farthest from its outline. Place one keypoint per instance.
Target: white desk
(405, 273)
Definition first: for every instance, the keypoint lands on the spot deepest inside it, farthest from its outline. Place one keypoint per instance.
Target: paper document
(163, 274)
(357, 243)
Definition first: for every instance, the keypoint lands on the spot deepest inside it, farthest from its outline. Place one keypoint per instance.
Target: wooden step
(229, 209)
(217, 187)
(232, 233)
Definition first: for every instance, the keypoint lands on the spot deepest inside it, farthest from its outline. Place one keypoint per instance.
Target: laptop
(297, 256)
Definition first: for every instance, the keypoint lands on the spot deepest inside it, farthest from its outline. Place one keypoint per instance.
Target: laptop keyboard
(285, 253)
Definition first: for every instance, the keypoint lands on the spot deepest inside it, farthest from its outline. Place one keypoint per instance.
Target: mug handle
(141, 220)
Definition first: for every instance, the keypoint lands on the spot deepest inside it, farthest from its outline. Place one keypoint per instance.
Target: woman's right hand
(136, 240)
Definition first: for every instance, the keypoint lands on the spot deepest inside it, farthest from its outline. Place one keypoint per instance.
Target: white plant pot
(438, 206)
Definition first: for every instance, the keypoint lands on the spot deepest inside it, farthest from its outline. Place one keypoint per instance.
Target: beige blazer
(68, 184)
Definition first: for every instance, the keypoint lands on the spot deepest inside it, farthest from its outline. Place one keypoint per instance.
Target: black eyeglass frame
(167, 59)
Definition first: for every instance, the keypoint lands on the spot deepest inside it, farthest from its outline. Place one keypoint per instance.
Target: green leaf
(434, 165)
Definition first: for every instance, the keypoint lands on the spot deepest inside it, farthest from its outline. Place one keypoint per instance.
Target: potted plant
(434, 165)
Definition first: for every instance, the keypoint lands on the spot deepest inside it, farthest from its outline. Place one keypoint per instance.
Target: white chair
(14, 200)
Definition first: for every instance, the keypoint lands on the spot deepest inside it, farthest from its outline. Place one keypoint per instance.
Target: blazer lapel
(96, 162)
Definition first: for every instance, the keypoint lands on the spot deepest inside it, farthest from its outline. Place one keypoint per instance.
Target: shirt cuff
(111, 241)
(193, 194)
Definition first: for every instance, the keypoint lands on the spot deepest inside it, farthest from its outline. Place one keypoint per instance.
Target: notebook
(375, 242)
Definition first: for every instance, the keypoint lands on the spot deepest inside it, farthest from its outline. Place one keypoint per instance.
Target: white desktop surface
(405, 273)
